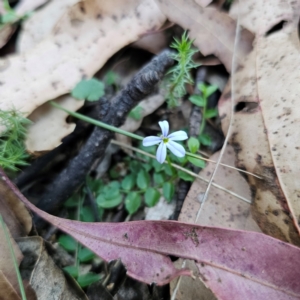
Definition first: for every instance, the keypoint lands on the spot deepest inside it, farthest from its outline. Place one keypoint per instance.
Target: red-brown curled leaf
(231, 261)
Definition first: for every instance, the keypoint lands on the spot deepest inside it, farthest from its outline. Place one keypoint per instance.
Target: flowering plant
(165, 141)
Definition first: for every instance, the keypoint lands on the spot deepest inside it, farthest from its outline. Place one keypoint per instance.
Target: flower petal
(176, 149)
(161, 152)
(178, 136)
(164, 125)
(151, 140)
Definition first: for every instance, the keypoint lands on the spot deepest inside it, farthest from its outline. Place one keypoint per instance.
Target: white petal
(151, 140)
(164, 125)
(178, 136)
(176, 149)
(161, 152)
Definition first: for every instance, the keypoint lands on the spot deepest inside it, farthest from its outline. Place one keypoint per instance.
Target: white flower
(165, 141)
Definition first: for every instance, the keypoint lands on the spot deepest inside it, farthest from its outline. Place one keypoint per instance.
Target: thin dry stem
(181, 169)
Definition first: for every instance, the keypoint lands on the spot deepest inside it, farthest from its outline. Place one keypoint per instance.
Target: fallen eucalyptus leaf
(269, 265)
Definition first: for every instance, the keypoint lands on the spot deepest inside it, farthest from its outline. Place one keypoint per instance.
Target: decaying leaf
(14, 213)
(81, 42)
(220, 208)
(269, 207)
(41, 23)
(7, 269)
(261, 16)
(47, 280)
(278, 94)
(49, 125)
(213, 31)
(267, 107)
(7, 289)
(21, 8)
(267, 264)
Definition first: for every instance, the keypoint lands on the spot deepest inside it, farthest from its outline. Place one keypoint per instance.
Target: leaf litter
(267, 48)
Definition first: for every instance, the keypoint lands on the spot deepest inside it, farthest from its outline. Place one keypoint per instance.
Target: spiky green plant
(181, 72)
(13, 132)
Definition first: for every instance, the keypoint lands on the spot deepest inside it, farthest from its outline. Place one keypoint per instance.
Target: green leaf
(193, 144)
(168, 191)
(9, 17)
(147, 167)
(136, 113)
(67, 242)
(158, 178)
(85, 255)
(205, 139)
(103, 202)
(143, 179)
(87, 279)
(169, 170)
(111, 78)
(133, 202)
(72, 270)
(210, 90)
(112, 190)
(89, 89)
(95, 185)
(128, 182)
(157, 166)
(197, 162)
(72, 202)
(184, 176)
(87, 214)
(134, 166)
(198, 100)
(151, 196)
(211, 113)
(202, 88)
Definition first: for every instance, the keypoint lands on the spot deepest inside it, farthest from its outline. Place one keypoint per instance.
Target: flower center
(165, 140)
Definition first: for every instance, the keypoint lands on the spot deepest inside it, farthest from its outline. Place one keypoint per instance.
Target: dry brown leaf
(49, 125)
(266, 129)
(153, 42)
(220, 208)
(48, 281)
(21, 8)
(203, 3)
(277, 61)
(251, 146)
(260, 16)
(80, 44)
(213, 30)
(6, 260)
(7, 289)
(41, 23)
(14, 213)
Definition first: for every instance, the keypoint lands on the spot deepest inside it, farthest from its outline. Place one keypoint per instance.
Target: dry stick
(224, 145)
(181, 169)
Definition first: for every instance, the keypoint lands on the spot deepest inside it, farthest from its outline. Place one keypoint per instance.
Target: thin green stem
(8, 240)
(97, 123)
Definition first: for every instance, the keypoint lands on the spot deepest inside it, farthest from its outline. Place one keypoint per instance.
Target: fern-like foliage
(181, 72)
(13, 132)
